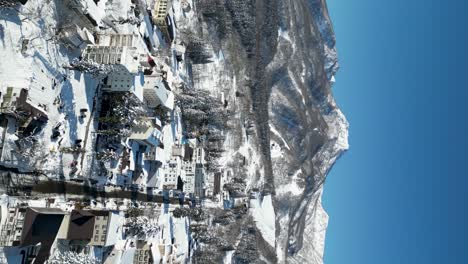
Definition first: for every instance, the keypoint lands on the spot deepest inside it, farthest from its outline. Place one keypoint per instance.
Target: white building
(172, 171)
(193, 166)
(128, 58)
(125, 56)
(189, 181)
(77, 38)
(156, 92)
(145, 134)
(118, 40)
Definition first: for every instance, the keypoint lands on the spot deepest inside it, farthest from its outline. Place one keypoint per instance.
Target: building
(189, 181)
(86, 12)
(232, 199)
(146, 135)
(156, 92)
(16, 99)
(118, 40)
(101, 224)
(184, 152)
(80, 225)
(142, 253)
(106, 228)
(11, 230)
(199, 161)
(217, 183)
(125, 63)
(192, 158)
(166, 253)
(28, 226)
(9, 97)
(162, 19)
(76, 37)
(128, 57)
(172, 172)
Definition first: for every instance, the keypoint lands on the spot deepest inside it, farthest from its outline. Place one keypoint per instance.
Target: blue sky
(400, 194)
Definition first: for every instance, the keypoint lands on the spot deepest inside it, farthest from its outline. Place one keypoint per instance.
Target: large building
(172, 171)
(162, 20)
(12, 228)
(101, 225)
(115, 55)
(27, 227)
(127, 60)
(189, 181)
(193, 168)
(118, 40)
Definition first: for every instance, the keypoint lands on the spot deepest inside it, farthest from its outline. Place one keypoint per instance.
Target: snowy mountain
(275, 65)
(195, 131)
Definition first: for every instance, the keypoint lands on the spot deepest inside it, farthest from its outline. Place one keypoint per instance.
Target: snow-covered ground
(264, 216)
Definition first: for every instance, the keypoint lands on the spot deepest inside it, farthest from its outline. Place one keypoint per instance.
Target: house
(16, 99)
(146, 135)
(162, 19)
(235, 200)
(142, 253)
(156, 92)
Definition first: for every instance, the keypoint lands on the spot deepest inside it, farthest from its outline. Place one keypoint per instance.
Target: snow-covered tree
(93, 68)
(8, 3)
(141, 227)
(201, 111)
(70, 257)
(196, 214)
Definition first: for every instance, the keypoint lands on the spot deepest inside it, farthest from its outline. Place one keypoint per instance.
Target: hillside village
(108, 150)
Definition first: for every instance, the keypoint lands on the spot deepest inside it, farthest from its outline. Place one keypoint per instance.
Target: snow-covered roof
(114, 230)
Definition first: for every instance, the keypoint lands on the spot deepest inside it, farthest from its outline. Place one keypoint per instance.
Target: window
(103, 238)
(95, 238)
(97, 232)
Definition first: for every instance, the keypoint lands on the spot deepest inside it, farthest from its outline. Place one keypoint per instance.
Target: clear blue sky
(400, 194)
